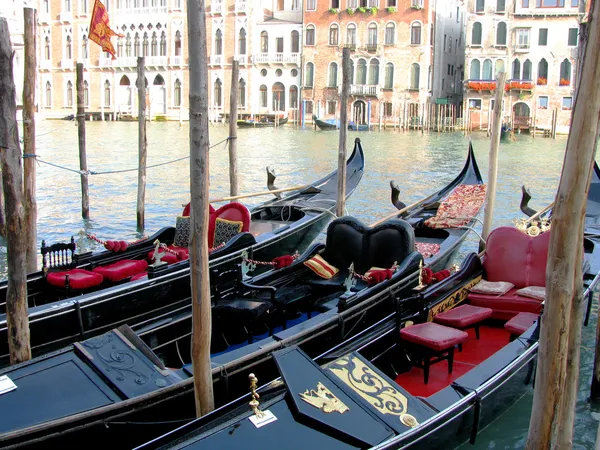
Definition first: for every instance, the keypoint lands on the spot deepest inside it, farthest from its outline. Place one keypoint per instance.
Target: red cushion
(231, 211)
(506, 306)
(521, 323)
(434, 336)
(463, 316)
(139, 276)
(122, 269)
(78, 278)
(516, 257)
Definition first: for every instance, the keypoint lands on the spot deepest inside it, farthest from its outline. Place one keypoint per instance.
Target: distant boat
(328, 124)
(353, 126)
(266, 120)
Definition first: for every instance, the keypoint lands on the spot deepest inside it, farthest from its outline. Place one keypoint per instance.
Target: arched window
(310, 73)
(154, 45)
(516, 69)
(543, 69)
(527, 70)
(124, 81)
(415, 33)
(263, 96)
(372, 35)
(264, 42)
(242, 93)
(333, 75)
(107, 93)
(415, 74)
(158, 80)
(177, 43)
(293, 97)
(501, 34)
(565, 72)
(334, 34)
(374, 72)
(218, 92)
(136, 45)
(487, 70)
(128, 45)
(48, 94)
(145, 45)
(86, 94)
(499, 67)
(389, 76)
(177, 93)
(295, 42)
(84, 47)
(310, 35)
(47, 49)
(68, 52)
(476, 34)
(218, 42)
(361, 72)
(475, 73)
(390, 34)
(351, 34)
(69, 93)
(163, 44)
(278, 97)
(242, 41)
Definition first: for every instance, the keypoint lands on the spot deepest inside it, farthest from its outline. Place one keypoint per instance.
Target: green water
(419, 163)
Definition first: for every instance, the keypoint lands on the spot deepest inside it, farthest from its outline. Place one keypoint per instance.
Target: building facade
(12, 10)
(535, 43)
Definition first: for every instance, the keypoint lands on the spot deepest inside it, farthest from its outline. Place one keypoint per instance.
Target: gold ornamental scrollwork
(323, 399)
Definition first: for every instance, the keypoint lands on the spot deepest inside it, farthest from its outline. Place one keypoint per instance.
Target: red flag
(100, 31)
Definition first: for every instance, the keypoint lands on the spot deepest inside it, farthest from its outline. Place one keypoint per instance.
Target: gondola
(263, 122)
(146, 368)
(368, 393)
(353, 126)
(328, 124)
(281, 226)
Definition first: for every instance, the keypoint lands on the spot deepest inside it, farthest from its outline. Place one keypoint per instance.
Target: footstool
(463, 317)
(432, 343)
(520, 324)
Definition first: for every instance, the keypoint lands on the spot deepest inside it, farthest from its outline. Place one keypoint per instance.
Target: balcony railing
(481, 85)
(216, 60)
(276, 58)
(364, 89)
(177, 60)
(106, 62)
(241, 6)
(156, 60)
(126, 61)
(44, 17)
(45, 64)
(523, 85)
(66, 63)
(521, 47)
(65, 17)
(216, 7)
(242, 59)
(148, 10)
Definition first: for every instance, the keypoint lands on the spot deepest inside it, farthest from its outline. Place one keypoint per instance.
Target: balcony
(65, 17)
(216, 7)
(45, 64)
(177, 60)
(368, 90)
(105, 62)
(352, 47)
(125, 61)
(481, 85)
(216, 60)
(66, 63)
(519, 85)
(241, 7)
(371, 48)
(148, 10)
(276, 58)
(156, 61)
(521, 48)
(44, 17)
(242, 59)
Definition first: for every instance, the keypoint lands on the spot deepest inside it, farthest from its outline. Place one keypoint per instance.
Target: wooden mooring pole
(557, 374)
(341, 186)
(85, 190)
(199, 182)
(142, 144)
(30, 204)
(12, 181)
(233, 115)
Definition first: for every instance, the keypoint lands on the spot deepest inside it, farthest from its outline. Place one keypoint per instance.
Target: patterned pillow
(537, 292)
(492, 288)
(321, 267)
(182, 232)
(225, 230)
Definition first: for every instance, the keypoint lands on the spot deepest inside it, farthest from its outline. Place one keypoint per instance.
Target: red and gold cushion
(460, 206)
(426, 249)
(226, 229)
(78, 279)
(321, 267)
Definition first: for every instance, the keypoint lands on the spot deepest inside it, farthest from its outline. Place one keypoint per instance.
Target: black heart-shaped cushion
(348, 241)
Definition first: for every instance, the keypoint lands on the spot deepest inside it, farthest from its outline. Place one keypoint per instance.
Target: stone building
(535, 43)
(12, 10)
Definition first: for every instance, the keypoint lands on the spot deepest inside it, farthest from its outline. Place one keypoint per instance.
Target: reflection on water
(419, 163)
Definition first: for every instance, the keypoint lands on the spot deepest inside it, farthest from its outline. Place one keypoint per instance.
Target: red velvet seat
(464, 316)
(231, 212)
(78, 279)
(139, 276)
(520, 323)
(518, 258)
(122, 270)
(431, 340)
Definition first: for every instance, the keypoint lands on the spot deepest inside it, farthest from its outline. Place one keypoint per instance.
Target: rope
(107, 172)
(295, 256)
(367, 279)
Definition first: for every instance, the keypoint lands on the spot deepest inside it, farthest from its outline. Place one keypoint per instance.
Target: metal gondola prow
(271, 181)
(524, 206)
(396, 195)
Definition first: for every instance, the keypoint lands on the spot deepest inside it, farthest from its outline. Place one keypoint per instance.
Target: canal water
(419, 163)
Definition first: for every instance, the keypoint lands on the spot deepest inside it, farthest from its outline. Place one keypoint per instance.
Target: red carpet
(474, 351)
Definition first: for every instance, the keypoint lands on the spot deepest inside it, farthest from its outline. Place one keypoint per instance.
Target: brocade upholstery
(122, 270)
(78, 279)
(234, 212)
(427, 249)
(463, 203)
(225, 230)
(434, 336)
(492, 287)
(520, 323)
(182, 232)
(463, 316)
(537, 292)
